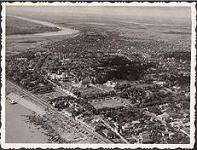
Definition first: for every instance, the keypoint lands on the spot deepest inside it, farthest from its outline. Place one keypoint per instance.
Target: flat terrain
(105, 77)
(20, 26)
(51, 32)
(57, 123)
(31, 106)
(24, 33)
(18, 129)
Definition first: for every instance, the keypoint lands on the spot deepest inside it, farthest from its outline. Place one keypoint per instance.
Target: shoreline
(19, 130)
(62, 30)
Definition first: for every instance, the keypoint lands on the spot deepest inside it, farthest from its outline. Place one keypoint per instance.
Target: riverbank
(18, 43)
(60, 31)
(18, 129)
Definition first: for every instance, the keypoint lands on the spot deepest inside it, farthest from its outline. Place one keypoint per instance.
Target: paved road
(62, 31)
(121, 137)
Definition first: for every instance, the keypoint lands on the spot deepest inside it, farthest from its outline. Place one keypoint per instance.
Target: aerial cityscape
(98, 75)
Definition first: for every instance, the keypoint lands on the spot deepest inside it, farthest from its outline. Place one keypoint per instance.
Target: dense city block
(127, 90)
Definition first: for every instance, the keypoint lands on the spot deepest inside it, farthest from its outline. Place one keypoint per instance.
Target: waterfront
(18, 130)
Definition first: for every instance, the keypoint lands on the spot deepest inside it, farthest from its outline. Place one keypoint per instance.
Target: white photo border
(94, 146)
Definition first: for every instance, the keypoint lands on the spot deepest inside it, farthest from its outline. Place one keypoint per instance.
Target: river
(18, 130)
(62, 31)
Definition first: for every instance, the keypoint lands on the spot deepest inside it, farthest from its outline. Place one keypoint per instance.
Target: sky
(128, 12)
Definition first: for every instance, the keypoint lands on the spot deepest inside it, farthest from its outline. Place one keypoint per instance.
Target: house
(77, 85)
(96, 118)
(126, 126)
(67, 112)
(149, 114)
(21, 58)
(176, 124)
(55, 76)
(108, 133)
(146, 138)
(160, 83)
(86, 81)
(163, 116)
(117, 127)
(135, 122)
(110, 84)
(98, 126)
(64, 61)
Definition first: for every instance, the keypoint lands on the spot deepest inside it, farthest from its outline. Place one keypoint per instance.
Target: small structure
(146, 138)
(110, 84)
(160, 83)
(163, 116)
(66, 112)
(108, 133)
(12, 101)
(87, 81)
(55, 76)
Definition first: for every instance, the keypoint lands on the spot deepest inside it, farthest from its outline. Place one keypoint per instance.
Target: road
(92, 85)
(70, 122)
(74, 125)
(71, 94)
(62, 30)
(121, 137)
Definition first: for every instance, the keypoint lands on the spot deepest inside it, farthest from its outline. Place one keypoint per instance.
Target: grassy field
(18, 26)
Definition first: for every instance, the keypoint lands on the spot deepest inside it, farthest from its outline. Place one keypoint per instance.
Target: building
(110, 84)
(146, 139)
(109, 134)
(55, 76)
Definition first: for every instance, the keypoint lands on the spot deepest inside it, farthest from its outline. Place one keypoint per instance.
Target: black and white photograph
(98, 75)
